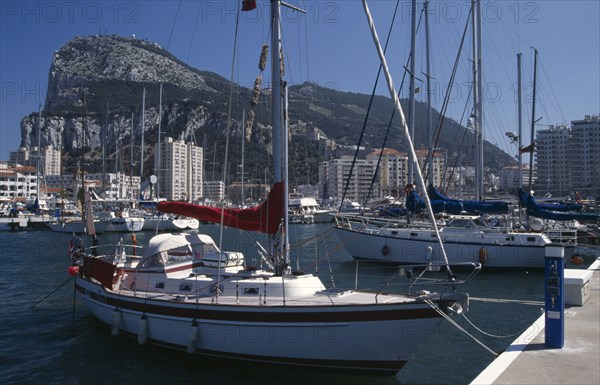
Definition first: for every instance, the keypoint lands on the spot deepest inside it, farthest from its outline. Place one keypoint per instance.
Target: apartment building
(567, 159)
(49, 159)
(179, 170)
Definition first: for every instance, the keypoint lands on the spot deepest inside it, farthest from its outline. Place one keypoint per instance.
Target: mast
(520, 122)
(276, 91)
(480, 105)
(429, 118)
(243, 142)
(158, 161)
(411, 101)
(39, 151)
(83, 124)
(286, 188)
(476, 102)
(279, 131)
(131, 162)
(143, 127)
(533, 121)
(104, 141)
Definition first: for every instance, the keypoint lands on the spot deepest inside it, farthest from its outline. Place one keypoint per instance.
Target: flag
(248, 5)
(525, 149)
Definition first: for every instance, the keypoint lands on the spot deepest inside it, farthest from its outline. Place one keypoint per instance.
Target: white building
(333, 176)
(214, 190)
(584, 155)
(392, 177)
(509, 178)
(49, 159)
(568, 159)
(179, 170)
(17, 182)
(115, 186)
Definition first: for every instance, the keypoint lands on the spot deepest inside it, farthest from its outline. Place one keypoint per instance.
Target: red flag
(248, 5)
(525, 149)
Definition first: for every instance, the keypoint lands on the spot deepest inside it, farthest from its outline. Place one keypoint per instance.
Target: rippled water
(59, 342)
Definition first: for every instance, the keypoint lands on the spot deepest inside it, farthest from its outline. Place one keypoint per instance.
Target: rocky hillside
(103, 78)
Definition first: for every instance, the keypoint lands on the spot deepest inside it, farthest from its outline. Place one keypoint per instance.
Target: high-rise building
(584, 155)
(49, 159)
(568, 159)
(551, 161)
(52, 161)
(391, 178)
(179, 170)
(333, 176)
(393, 170)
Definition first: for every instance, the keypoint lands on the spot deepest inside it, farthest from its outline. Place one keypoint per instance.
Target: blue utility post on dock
(555, 300)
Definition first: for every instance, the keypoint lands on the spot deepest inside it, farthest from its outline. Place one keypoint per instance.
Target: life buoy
(483, 254)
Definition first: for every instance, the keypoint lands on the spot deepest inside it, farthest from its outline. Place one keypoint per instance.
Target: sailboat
(185, 293)
(468, 238)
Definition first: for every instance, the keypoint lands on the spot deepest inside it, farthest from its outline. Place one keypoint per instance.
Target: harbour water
(60, 342)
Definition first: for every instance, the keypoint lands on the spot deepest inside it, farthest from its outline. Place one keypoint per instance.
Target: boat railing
(132, 251)
(563, 236)
(416, 276)
(356, 221)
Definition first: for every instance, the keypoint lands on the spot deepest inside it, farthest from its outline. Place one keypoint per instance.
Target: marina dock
(528, 361)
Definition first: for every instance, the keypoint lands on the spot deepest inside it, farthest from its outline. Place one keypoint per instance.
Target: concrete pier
(528, 361)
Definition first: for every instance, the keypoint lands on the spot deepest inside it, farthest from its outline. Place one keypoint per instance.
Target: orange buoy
(577, 260)
(483, 255)
(134, 240)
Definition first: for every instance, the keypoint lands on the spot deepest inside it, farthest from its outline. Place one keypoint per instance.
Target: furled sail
(264, 218)
(546, 211)
(442, 204)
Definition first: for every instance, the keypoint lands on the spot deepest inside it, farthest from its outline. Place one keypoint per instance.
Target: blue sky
(330, 46)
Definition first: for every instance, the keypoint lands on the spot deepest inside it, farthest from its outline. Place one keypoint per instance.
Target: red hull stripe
(237, 313)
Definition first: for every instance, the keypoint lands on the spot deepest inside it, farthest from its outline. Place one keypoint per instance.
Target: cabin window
(185, 287)
(179, 255)
(530, 239)
(250, 290)
(394, 233)
(157, 260)
(209, 248)
(197, 250)
(413, 234)
(159, 285)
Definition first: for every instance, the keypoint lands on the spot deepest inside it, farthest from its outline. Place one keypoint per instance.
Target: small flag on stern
(248, 5)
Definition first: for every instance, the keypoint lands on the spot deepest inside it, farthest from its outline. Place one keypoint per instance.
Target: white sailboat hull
(125, 225)
(418, 246)
(170, 224)
(365, 337)
(76, 227)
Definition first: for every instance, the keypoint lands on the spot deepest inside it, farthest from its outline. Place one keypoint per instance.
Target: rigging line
(460, 123)
(393, 114)
(187, 60)
(368, 113)
(412, 154)
(306, 48)
(446, 102)
(174, 22)
(460, 328)
(552, 90)
(227, 134)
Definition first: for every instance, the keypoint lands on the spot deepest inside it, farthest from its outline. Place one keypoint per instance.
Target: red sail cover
(264, 218)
